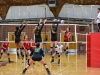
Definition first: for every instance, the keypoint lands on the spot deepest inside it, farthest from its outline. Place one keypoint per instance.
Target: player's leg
(27, 54)
(30, 63)
(51, 47)
(6, 51)
(58, 58)
(41, 45)
(23, 53)
(46, 67)
(66, 46)
(18, 53)
(1, 53)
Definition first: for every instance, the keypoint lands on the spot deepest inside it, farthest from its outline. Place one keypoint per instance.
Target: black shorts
(98, 27)
(17, 40)
(37, 57)
(38, 40)
(54, 38)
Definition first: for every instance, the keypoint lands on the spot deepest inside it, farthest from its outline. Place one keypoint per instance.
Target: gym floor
(73, 65)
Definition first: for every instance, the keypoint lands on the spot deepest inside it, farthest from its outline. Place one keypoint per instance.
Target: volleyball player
(18, 31)
(25, 48)
(58, 51)
(18, 56)
(66, 39)
(37, 54)
(32, 45)
(97, 20)
(4, 48)
(37, 32)
(54, 37)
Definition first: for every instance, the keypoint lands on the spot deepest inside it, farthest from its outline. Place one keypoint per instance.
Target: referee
(97, 20)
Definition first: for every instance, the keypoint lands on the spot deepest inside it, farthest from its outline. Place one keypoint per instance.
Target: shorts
(54, 38)
(4, 49)
(17, 40)
(66, 41)
(37, 57)
(38, 40)
(98, 27)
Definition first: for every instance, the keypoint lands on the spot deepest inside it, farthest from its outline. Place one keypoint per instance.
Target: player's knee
(8, 54)
(52, 56)
(64, 50)
(58, 55)
(29, 64)
(26, 55)
(21, 48)
(66, 47)
(22, 55)
(17, 48)
(45, 64)
(51, 47)
(55, 47)
(1, 53)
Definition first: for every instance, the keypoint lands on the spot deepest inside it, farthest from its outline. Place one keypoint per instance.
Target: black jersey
(54, 29)
(18, 32)
(38, 32)
(38, 51)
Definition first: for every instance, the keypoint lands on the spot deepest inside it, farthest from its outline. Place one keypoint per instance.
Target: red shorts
(4, 49)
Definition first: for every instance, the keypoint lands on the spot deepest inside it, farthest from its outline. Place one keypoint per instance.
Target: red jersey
(5, 45)
(28, 46)
(66, 36)
(25, 43)
(32, 44)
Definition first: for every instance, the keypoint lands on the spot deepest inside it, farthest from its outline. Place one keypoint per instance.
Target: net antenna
(68, 18)
(45, 25)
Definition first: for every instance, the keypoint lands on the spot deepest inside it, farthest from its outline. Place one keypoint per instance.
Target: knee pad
(55, 47)
(58, 55)
(26, 55)
(57, 52)
(51, 47)
(66, 47)
(29, 64)
(22, 55)
(8, 54)
(52, 56)
(21, 48)
(17, 48)
(1, 53)
(45, 64)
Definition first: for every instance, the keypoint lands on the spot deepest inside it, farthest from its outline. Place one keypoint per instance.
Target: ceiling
(6, 4)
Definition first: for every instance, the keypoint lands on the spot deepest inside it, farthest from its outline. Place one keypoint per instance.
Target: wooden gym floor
(75, 66)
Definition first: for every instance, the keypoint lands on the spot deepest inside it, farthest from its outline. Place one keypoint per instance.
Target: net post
(76, 44)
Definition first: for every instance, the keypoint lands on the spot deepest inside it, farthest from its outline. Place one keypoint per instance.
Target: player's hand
(40, 21)
(45, 21)
(23, 22)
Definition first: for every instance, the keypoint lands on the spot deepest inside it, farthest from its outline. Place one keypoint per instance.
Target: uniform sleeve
(22, 28)
(41, 27)
(98, 16)
(32, 52)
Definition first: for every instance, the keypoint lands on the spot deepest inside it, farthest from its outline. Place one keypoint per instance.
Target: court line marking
(67, 67)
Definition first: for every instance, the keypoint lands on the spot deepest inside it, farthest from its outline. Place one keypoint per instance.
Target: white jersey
(59, 48)
(98, 21)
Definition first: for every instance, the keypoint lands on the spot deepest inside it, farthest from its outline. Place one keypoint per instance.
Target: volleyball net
(78, 33)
